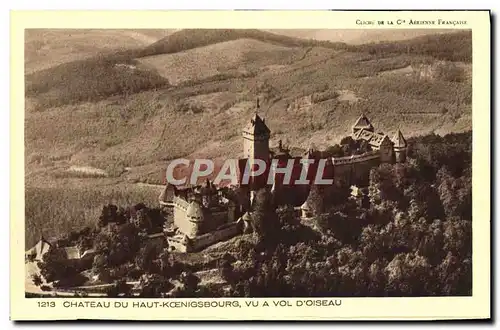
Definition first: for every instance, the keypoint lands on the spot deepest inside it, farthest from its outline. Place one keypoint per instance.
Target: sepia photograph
(189, 163)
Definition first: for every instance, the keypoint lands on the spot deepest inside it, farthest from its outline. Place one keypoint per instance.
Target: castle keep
(205, 214)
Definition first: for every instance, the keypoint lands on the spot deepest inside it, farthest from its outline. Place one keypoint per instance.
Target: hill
(193, 38)
(455, 46)
(358, 36)
(115, 73)
(45, 48)
(225, 54)
(89, 80)
(241, 57)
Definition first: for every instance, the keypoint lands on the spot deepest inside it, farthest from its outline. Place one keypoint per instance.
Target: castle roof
(358, 133)
(72, 252)
(257, 126)
(377, 139)
(364, 134)
(305, 206)
(363, 122)
(399, 140)
(40, 248)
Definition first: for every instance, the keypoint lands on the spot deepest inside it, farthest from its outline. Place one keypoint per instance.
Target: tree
(458, 237)
(315, 205)
(55, 266)
(455, 194)
(407, 275)
(119, 288)
(455, 276)
(142, 220)
(154, 286)
(108, 215)
(349, 145)
(364, 146)
(334, 151)
(146, 257)
(37, 279)
(189, 285)
(118, 244)
(264, 218)
(431, 243)
(100, 262)
(226, 264)
(169, 266)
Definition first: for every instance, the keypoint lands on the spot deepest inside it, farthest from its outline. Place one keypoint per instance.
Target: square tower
(256, 139)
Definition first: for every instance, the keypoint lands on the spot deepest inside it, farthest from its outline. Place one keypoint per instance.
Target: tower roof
(167, 194)
(363, 122)
(399, 140)
(40, 248)
(257, 126)
(305, 206)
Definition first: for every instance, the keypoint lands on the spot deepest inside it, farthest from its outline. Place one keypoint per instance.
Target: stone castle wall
(213, 220)
(200, 242)
(367, 156)
(226, 232)
(354, 169)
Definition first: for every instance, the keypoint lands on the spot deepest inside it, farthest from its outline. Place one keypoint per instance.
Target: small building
(305, 211)
(246, 223)
(72, 252)
(360, 196)
(356, 192)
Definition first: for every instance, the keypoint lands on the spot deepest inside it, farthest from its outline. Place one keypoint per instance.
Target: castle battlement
(370, 155)
(180, 203)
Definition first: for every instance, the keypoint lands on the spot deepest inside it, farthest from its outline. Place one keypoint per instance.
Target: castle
(205, 214)
(202, 215)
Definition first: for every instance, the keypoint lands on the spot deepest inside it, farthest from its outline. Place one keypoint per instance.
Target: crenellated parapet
(180, 203)
(355, 159)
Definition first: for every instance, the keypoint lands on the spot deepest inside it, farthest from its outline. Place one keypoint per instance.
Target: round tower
(195, 218)
(400, 147)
